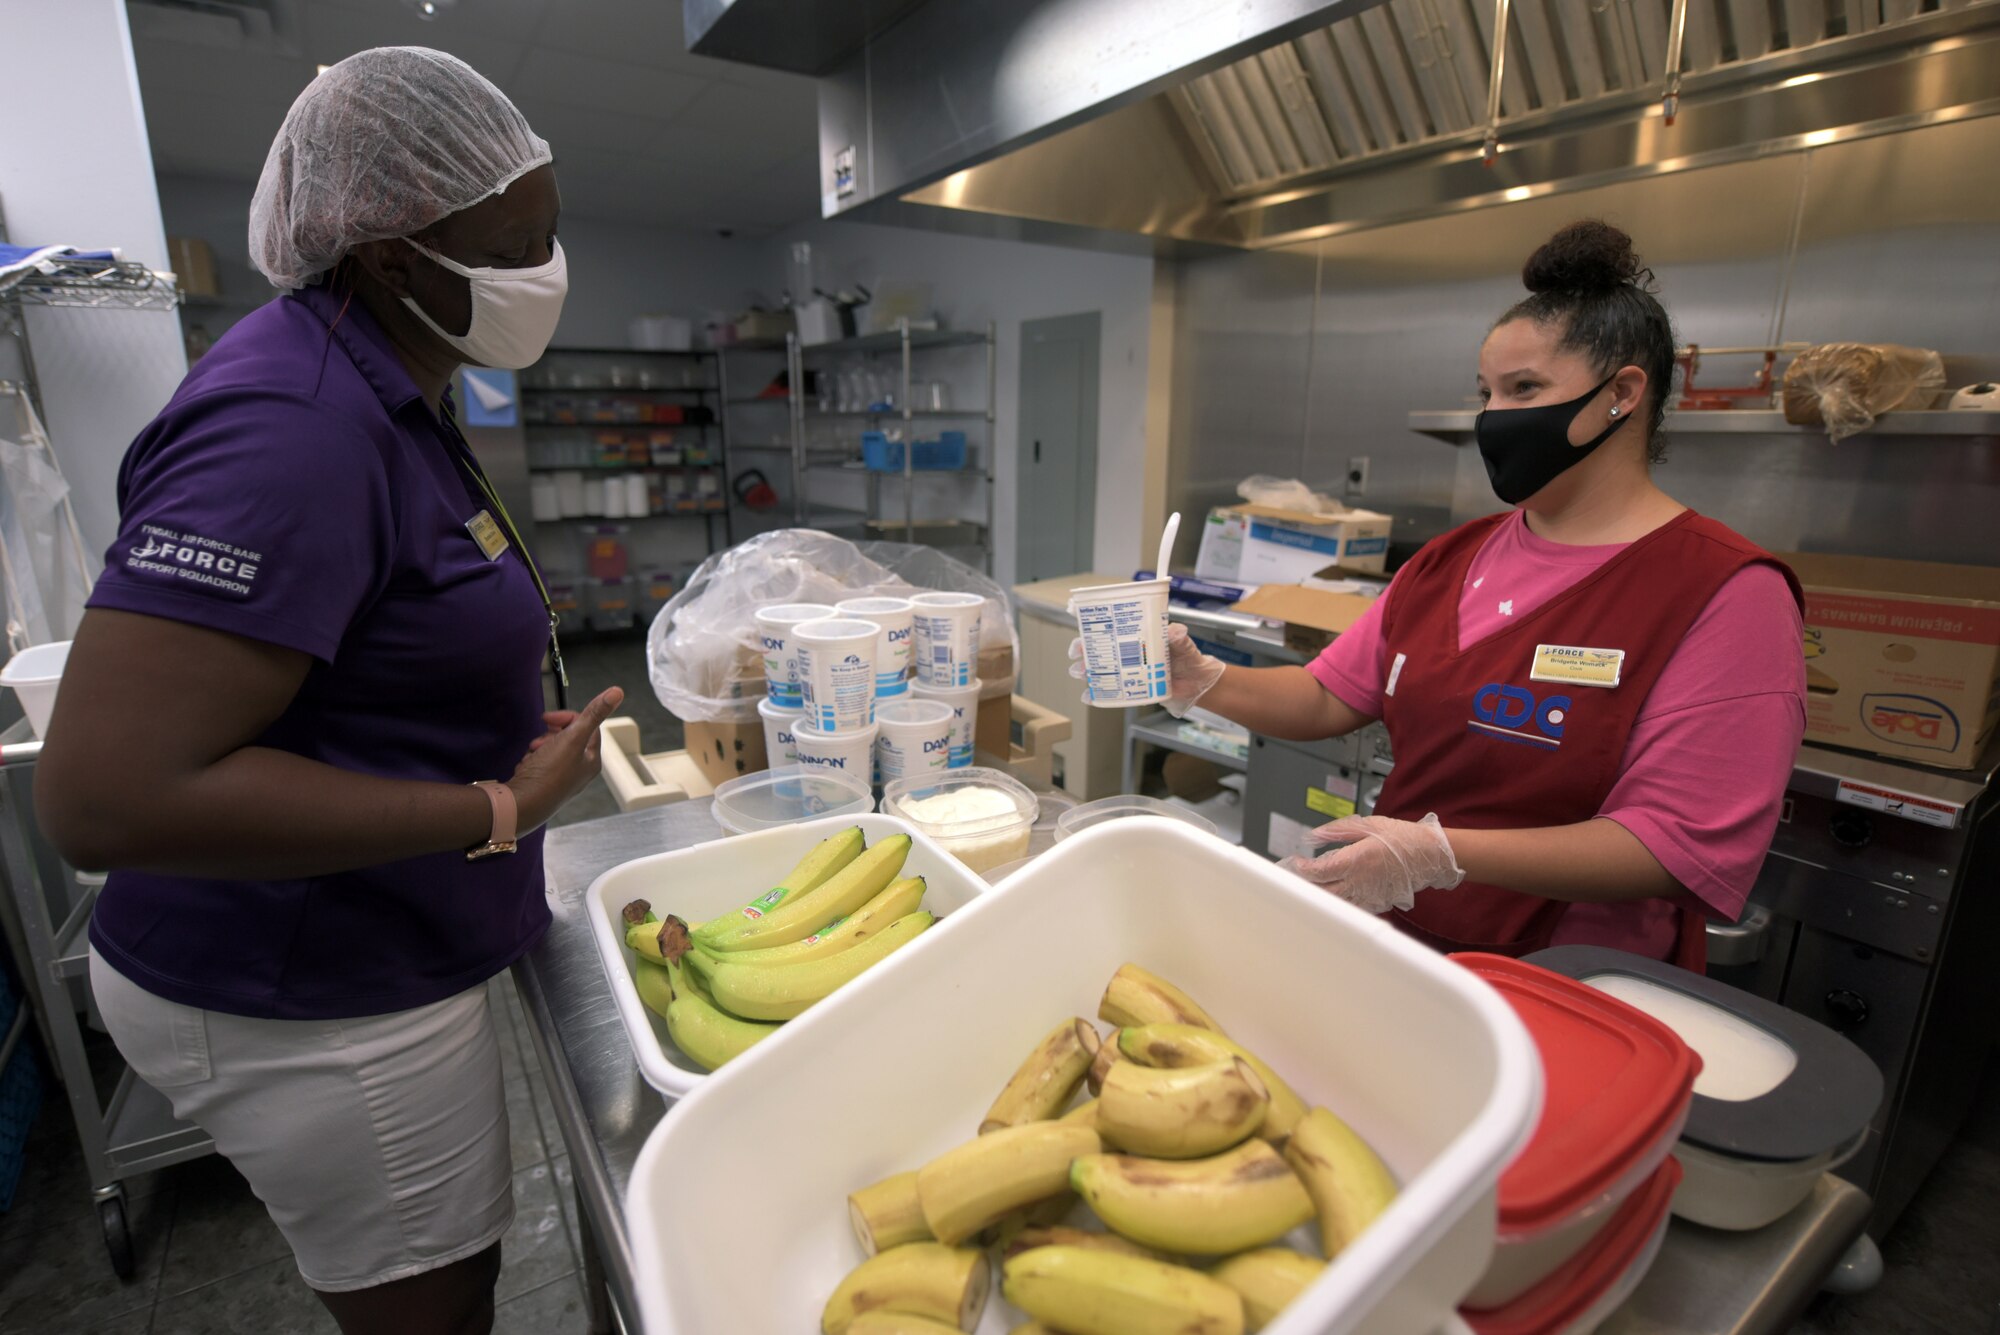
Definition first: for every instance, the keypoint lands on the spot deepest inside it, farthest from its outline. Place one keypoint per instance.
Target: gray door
(1057, 503)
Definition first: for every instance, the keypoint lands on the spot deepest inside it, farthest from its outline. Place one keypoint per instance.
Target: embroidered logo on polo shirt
(1511, 714)
(198, 560)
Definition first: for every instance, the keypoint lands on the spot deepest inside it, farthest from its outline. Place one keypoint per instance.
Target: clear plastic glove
(1384, 863)
(1190, 672)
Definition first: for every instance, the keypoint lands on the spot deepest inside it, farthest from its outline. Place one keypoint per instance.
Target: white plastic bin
(1423, 1059)
(700, 882)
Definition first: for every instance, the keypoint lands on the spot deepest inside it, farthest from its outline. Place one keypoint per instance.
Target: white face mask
(514, 311)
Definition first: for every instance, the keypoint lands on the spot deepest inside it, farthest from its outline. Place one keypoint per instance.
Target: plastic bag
(45, 572)
(1286, 493)
(702, 651)
(1846, 386)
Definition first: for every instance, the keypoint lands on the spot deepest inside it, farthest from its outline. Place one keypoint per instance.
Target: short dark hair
(1587, 281)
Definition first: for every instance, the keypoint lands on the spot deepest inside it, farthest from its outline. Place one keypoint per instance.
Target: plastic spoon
(1167, 537)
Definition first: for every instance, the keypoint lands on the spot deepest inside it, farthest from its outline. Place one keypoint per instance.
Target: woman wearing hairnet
(302, 722)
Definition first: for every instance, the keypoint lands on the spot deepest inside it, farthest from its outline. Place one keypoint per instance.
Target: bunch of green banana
(1349, 1184)
(800, 912)
(1248, 1197)
(827, 858)
(1179, 1045)
(784, 991)
(1091, 1291)
(1186, 1113)
(924, 1279)
(1043, 1083)
(723, 986)
(1267, 1280)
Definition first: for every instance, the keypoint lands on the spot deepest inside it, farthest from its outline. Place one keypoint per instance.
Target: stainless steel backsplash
(1294, 361)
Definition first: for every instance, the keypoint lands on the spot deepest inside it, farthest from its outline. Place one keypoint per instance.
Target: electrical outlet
(1357, 476)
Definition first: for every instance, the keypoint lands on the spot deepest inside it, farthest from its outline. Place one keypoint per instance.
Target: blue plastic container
(883, 455)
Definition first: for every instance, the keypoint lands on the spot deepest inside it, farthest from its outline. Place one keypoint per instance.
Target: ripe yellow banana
(1348, 1182)
(1188, 1113)
(828, 857)
(1033, 1328)
(1245, 1198)
(929, 1279)
(1175, 1045)
(1047, 1079)
(1101, 1062)
(1092, 1292)
(783, 991)
(900, 899)
(644, 938)
(1083, 1114)
(887, 1214)
(968, 1188)
(1138, 997)
(1267, 1280)
(1028, 1239)
(799, 915)
(897, 1323)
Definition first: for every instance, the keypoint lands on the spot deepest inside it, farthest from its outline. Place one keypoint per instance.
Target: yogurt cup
(781, 747)
(1124, 630)
(947, 626)
(837, 672)
(915, 738)
(964, 702)
(850, 753)
(895, 649)
(781, 657)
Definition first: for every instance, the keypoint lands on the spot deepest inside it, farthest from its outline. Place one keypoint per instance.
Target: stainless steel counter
(1705, 1282)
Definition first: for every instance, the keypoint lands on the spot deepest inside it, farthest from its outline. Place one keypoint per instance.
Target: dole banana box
(1902, 657)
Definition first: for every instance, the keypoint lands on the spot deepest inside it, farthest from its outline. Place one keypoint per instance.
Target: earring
(1614, 412)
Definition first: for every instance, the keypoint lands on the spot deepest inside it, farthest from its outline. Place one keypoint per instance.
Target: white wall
(617, 271)
(975, 280)
(76, 168)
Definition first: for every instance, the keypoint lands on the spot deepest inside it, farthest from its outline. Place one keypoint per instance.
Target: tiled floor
(212, 1263)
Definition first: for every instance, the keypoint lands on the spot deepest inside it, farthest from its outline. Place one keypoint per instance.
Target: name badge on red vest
(1575, 666)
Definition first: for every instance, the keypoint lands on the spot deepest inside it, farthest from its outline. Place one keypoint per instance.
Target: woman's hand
(1384, 863)
(561, 761)
(1190, 672)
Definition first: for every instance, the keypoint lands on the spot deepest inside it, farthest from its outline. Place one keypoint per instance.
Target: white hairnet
(383, 144)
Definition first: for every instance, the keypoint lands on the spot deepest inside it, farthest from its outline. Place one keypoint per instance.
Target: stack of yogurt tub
(839, 694)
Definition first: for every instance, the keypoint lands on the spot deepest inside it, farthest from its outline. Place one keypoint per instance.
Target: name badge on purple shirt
(487, 534)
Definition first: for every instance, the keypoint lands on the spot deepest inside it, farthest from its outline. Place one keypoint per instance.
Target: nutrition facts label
(839, 691)
(1118, 660)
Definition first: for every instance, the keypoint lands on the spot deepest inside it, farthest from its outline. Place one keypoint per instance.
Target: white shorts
(378, 1144)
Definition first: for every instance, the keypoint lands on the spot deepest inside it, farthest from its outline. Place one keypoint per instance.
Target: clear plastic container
(788, 795)
(987, 839)
(1081, 818)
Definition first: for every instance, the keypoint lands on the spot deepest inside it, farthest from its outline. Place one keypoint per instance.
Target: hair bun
(1588, 256)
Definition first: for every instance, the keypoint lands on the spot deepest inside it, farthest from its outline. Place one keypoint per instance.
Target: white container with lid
(981, 816)
(837, 672)
(915, 738)
(1124, 632)
(1780, 1099)
(781, 745)
(964, 702)
(1446, 1094)
(851, 753)
(947, 626)
(895, 650)
(787, 796)
(781, 655)
(1080, 818)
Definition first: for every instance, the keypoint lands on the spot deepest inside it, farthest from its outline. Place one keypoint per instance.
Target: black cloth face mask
(1526, 448)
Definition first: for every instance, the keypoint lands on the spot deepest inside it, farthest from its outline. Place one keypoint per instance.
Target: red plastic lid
(1616, 1081)
(1578, 1283)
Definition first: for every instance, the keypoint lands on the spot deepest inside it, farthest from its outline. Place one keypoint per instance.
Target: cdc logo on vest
(1506, 711)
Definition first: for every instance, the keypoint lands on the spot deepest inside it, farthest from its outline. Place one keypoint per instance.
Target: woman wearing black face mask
(1594, 698)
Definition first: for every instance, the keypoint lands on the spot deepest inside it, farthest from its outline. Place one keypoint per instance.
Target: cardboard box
(724, 751)
(1312, 615)
(993, 729)
(193, 263)
(1261, 544)
(1902, 657)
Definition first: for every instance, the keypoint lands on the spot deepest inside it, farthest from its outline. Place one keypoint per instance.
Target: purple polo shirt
(296, 490)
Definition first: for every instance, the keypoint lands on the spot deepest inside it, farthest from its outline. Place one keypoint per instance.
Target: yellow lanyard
(463, 453)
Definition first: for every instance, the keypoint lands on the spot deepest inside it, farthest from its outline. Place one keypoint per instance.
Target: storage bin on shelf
(1446, 1094)
(613, 604)
(883, 455)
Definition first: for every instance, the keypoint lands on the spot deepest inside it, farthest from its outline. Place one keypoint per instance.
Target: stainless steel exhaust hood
(1188, 123)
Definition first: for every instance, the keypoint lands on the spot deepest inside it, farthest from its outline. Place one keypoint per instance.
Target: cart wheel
(117, 1237)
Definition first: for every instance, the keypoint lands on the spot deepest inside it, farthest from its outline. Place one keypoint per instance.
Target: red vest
(1487, 748)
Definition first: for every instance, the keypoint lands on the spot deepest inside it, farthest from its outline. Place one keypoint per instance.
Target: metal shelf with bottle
(893, 398)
